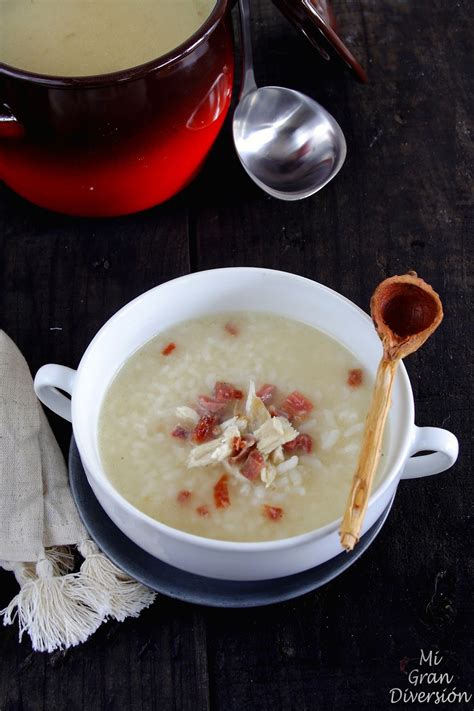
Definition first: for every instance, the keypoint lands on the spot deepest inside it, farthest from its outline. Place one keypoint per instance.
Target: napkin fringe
(59, 609)
(125, 597)
(50, 609)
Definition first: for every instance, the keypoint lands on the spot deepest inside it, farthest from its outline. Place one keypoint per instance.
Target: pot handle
(10, 126)
(443, 444)
(47, 381)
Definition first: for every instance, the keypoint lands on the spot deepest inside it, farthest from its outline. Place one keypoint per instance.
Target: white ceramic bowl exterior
(224, 290)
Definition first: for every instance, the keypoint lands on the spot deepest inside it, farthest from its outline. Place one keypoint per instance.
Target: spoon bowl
(288, 144)
(406, 311)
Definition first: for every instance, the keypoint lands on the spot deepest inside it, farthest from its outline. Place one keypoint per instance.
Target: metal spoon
(406, 311)
(288, 144)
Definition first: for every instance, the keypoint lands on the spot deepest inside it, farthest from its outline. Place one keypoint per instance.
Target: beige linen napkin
(39, 520)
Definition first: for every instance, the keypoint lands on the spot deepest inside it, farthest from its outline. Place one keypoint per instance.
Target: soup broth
(89, 37)
(186, 439)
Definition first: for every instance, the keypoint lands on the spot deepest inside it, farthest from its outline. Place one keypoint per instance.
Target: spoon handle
(369, 454)
(248, 76)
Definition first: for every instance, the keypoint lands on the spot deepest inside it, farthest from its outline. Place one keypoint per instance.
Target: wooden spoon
(405, 311)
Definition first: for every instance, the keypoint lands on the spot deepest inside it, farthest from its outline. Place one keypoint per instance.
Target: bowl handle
(443, 444)
(47, 381)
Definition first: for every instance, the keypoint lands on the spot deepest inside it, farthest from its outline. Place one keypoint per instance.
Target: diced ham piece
(266, 393)
(204, 429)
(221, 493)
(354, 378)
(297, 405)
(168, 349)
(210, 405)
(231, 329)
(274, 513)
(179, 432)
(253, 466)
(183, 496)
(302, 443)
(226, 391)
(203, 510)
(241, 447)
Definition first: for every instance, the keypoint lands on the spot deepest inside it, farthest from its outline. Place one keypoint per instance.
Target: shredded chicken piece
(217, 450)
(268, 474)
(278, 455)
(240, 422)
(275, 432)
(257, 413)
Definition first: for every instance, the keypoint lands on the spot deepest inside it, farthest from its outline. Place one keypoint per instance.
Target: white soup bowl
(225, 290)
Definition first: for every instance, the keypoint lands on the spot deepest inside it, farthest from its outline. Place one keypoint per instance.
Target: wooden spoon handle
(369, 454)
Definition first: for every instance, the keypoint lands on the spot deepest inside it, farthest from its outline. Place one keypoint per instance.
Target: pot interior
(72, 45)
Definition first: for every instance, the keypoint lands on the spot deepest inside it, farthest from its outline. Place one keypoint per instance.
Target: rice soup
(239, 427)
(90, 37)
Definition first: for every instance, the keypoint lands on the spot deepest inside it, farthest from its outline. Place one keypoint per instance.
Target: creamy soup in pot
(240, 427)
(88, 37)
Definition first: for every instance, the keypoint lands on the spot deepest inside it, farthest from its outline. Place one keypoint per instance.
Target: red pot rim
(129, 74)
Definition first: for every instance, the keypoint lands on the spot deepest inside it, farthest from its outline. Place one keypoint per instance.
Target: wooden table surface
(402, 201)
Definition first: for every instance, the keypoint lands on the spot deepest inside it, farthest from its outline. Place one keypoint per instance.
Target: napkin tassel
(53, 609)
(124, 597)
(59, 609)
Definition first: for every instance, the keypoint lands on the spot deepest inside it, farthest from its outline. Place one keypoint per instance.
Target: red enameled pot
(122, 142)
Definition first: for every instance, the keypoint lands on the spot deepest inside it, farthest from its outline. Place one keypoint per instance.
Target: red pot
(122, 142)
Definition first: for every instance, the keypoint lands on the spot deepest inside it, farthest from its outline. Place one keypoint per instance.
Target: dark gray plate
(176, 583)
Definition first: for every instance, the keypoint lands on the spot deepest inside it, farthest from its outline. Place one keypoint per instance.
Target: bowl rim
(214, 543)
(129, 73)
